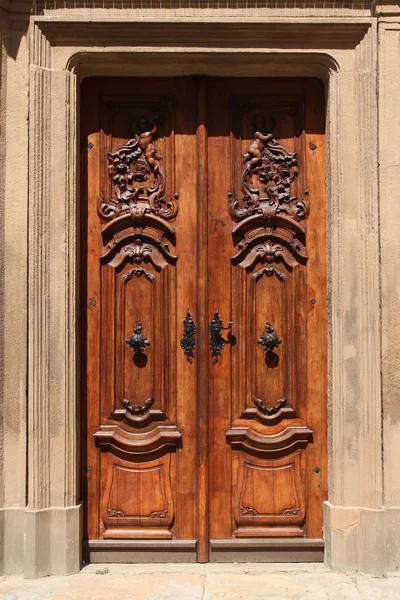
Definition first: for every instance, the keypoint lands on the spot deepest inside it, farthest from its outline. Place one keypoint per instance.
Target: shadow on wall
(14, 23)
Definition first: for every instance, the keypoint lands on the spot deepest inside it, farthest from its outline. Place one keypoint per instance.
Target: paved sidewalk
(203, 582)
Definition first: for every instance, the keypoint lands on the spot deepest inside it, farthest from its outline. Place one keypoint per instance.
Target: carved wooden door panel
(139, 478)
(203, 318)
(266, 267)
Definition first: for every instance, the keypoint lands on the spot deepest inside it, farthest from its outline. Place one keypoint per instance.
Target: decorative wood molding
(161, 439)
(287, 441)
(269, 410)
(138, 273)
(269, 415)
(269, 272)
(257, 513)
(139, 413)
(125, 510)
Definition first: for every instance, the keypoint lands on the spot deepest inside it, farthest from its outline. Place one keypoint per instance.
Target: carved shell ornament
(269, 219)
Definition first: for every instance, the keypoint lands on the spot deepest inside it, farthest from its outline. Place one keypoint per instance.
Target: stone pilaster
(353, 516)
(53, 516)
(389, 183)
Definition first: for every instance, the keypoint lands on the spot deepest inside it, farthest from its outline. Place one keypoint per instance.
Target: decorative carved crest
(138, 178)
(269, 228)
(139, 211)
(138, 409)
(269, 410)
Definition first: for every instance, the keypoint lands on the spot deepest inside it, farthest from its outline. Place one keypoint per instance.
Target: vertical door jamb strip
(203, 532)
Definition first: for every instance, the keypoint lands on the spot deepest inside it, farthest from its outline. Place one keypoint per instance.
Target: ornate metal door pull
(188, 340)
(137, 341)
(217, 342)
(269, 340)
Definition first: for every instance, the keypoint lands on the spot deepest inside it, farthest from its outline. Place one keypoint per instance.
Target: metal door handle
(269, 340)
(188, 340)
(217, 342)
(137, 341)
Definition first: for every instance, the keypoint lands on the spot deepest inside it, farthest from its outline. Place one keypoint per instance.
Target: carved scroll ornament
(139, 212)
(269, 228)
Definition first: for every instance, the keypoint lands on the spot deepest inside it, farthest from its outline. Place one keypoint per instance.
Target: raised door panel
(137, 498)
(268, 388)
(269, 498)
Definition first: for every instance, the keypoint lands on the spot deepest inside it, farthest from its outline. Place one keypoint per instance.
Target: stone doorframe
(343, 55)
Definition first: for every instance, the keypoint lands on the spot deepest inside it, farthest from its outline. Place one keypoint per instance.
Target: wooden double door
(203, 348)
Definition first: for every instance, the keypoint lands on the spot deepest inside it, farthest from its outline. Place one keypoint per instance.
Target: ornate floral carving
(113, 513)
(267, 210)
(136, 219)
(269, 410)
(269, 415)
(138, 251)
(158, 514)
(269, 272)
(246, 511)
(138, 409)
(138, 178)
(138, 272)
(291, 511)
(188, 340)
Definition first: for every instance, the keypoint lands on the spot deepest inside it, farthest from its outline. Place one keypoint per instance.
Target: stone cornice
(176, 32)
(387, 8)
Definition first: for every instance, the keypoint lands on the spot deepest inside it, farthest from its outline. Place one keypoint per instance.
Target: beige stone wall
(356, 55)
(13, 282)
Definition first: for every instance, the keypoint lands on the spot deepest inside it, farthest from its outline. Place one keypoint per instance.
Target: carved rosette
(269, 227)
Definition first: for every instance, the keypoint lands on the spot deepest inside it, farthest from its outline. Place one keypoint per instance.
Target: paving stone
(203, 582)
